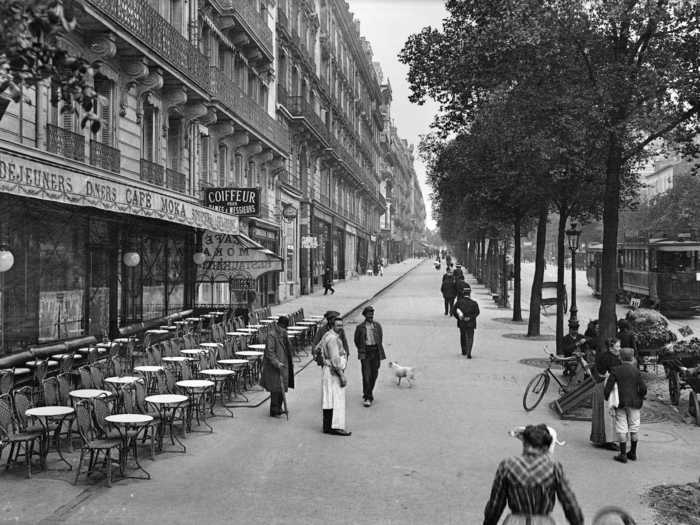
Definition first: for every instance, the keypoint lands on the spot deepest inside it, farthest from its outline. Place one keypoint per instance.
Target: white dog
(517, 432)
(403, 371)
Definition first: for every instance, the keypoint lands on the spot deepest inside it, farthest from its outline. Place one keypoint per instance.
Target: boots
(632, 454)
(622, 456)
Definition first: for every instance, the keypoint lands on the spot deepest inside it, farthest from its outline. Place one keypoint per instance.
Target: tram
(658, 273)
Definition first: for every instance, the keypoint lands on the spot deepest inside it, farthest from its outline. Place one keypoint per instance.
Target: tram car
(658, 273)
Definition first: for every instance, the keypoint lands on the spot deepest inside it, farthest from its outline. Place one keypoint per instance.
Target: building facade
(197, 99)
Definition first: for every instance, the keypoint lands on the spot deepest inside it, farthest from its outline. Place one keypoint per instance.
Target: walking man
(631, 390)
(277, 366)
(333, 380)
(466, 310)
(328, 281)
(368, 340)
(449, 291)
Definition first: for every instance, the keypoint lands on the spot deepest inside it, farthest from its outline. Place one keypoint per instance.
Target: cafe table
(253, 356)
(18, 371)
(196, 390)
(192, 352)
(33, 363)
(210, 345)
(220, 376)
(89, 393)
(150, 374)
(129, 427)
(235, 365)
(46, 414)
(167, 406)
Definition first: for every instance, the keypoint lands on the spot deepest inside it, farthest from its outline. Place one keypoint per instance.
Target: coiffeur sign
(228, 256)
(236, 201)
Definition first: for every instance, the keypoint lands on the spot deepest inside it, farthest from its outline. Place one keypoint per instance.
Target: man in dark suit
(572, 342)
(277, 366)
(631, 391)
(370, 351)
(466, 310)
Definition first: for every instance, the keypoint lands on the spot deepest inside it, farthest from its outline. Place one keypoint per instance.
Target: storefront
(90, 254)
(289, 286)
(351, 262)
(267, 235)
(323, 255)
(339, 252)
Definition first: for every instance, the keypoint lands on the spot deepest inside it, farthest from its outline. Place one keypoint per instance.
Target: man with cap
(329, 317)
(370, 351)
(572, 342)
(277, 366)
(466, 310)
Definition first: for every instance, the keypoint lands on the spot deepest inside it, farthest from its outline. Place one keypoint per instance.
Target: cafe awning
(235, 256)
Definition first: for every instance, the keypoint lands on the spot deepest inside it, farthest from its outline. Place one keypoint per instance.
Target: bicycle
(538, 385)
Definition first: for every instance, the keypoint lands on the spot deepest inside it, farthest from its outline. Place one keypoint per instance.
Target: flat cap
(331, 314)
(368, 309)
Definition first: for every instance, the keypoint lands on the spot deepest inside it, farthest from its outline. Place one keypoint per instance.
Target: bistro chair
(65, 385)
(101, 408)
(41, 368)
(52, 396)
(85, 377)
(96, 375)
(130, 407)
(17, 439)
(7, 381)
(94, 444)
(65, 364)
(153, 355)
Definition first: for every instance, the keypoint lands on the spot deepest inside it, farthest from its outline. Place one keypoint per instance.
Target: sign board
(227, 258)
(289, 212)
(309, 241)
(236, 201)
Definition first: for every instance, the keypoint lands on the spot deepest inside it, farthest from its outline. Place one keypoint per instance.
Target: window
(238, 170)
(149, 132)
(223, 161)
(205, 142)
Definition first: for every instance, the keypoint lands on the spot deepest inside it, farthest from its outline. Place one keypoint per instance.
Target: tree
(30, 54)
(629, 66)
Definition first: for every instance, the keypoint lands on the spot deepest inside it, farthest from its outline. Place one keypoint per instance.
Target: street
(425, 454)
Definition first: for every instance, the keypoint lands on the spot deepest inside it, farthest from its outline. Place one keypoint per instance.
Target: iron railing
(147, 26)
(247, 13)
(152, 173)
(299, 107)
(232, 96)
(65, 142)
(282, 20)
(105, 157)
(175, 180)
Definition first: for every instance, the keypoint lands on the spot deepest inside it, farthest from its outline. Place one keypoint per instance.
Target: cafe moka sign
(236, 201)
(228, 257)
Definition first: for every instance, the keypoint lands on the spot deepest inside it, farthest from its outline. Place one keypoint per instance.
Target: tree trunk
(607, 316)
(533, 324)
(561, 286)
(517, 310)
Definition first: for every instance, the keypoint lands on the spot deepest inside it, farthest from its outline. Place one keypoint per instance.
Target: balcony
(290, 179)
(146, 25)
(65, 143)
(283, 21)
(252, 20)
(175, 180)
(105, 157)
(300, 108)
(152, 173)
(227, 92)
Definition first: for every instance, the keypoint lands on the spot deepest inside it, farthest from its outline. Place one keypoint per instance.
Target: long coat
(277, 361)
(470, 310)
(361, 336)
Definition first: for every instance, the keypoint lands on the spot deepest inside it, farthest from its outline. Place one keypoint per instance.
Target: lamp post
(572, 236)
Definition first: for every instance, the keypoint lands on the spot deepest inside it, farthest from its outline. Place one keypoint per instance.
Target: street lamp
(573, 235)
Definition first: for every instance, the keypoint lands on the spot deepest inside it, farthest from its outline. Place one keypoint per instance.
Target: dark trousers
(448, 304)
(327, 419)
(328, 287)
(466, 340)
(370, 371)
(276, 403)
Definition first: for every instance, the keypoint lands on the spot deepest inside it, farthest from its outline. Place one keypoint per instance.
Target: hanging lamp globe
(7, 260)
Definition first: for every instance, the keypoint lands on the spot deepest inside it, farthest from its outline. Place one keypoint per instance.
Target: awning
(235, 257)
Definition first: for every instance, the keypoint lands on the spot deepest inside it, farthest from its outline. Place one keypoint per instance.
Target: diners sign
(236, 201)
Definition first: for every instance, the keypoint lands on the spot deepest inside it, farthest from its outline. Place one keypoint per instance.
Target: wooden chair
(95, 445)
(17, 439)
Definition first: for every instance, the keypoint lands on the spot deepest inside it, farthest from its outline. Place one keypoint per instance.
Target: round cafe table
(33, 363)
(167, 406)
(220, 376)
(44, 415)
(253, 357)
(237, 366)
(209, 345)
(193, 351)
(196, 390)
(129, 427)
(89, 393)
(18, 371)
(122, 380)
(176, 359)
(256, 347)
(150, 374)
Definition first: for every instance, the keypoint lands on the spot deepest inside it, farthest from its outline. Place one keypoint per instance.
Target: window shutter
(204, 176)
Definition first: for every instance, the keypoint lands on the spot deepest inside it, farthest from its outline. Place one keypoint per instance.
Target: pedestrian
(571, 342)
(627, 337)
(631, 391)
(375, 267)
(602, 421)
(328, 281)
(277, 366)
(368, 341)
(530, 484)
(381, 268)
(466, 310)
(449, 291)
(458, 274)
(333, 381)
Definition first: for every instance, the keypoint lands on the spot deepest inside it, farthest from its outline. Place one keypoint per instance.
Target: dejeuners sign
(236, 201)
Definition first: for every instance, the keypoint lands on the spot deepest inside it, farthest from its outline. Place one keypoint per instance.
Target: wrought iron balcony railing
(175, 180)
(252, 19)
(152, 173)
(299, 107)
(283, 20)
(105, 157)
(230, 95)
(65, 142)
(147, 26)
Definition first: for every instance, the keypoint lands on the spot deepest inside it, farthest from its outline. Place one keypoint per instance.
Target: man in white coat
(333, 381)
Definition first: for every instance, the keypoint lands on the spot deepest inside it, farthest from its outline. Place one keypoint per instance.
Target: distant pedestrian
(375, 267)
(277, 366)
(530, 485)
(631, 392)
(333, 381)
(449, 291)
(328, 281)
(370, 351)
(466, 310)
(627, 337)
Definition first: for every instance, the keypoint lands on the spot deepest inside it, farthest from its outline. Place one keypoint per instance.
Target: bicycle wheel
(535, 391)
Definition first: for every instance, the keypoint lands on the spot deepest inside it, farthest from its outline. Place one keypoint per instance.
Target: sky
(387, 25)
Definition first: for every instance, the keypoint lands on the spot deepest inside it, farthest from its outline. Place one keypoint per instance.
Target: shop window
(176, 276)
